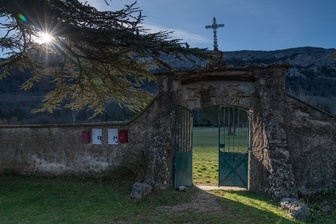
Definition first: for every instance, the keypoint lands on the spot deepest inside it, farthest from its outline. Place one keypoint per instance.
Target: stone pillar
(161, 150)
(258, 174)
(269, 101)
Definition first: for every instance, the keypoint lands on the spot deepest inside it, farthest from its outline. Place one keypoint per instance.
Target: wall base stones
(296, 209)
(140, 190)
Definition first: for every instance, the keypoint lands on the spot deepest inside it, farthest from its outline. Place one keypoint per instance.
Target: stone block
(296, 209)
(140, 190)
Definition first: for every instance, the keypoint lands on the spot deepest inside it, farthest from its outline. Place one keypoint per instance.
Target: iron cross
(214, 26)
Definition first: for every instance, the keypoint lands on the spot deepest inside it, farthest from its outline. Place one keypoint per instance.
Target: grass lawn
(205, 156)
(60, 200)
(205, 152)
(65, 200)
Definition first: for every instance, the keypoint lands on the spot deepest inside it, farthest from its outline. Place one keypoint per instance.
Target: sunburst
(44, 38)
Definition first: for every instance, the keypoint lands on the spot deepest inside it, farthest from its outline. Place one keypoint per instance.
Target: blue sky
(249, 24)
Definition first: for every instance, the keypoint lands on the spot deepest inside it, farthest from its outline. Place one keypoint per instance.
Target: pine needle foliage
(93, 57)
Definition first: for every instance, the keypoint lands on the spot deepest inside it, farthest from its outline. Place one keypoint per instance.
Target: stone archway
(260, 90)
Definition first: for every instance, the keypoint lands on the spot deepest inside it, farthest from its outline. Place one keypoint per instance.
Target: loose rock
(296, 209)
(140, 190)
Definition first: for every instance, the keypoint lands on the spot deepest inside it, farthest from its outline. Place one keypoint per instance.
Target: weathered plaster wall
(203, 93)
(58, 150)
(54, 150)
(312, 145)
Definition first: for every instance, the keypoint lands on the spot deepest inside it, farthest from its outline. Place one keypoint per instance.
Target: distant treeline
(314, 83)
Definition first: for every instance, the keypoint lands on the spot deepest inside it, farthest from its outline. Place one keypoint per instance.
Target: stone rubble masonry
(293, 145)
(275, 164)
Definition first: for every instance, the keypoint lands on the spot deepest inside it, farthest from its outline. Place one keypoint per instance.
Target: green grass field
(33, 200)
(205, 156)
(205, 152)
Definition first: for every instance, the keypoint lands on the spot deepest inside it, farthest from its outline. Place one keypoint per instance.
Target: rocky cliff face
(311, 77)
(307, 62)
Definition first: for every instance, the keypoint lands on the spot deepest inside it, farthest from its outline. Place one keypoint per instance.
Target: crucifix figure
(214, 26)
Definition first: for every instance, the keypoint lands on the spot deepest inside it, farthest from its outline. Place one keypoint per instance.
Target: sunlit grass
(253, 208)
(205, 152)
(256, 201)
(205, 156)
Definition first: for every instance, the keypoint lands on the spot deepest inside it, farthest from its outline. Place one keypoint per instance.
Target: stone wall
(282, 148)
(292, 144)
(259, 90)
(312, 145)
(55, 150)
(58, 149)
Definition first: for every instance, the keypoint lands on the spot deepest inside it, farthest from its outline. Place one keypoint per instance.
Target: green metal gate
(183, 147)
(233, 141)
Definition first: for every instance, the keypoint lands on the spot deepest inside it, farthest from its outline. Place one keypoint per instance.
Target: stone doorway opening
(205, 146)
(261, 90)
(221, 142)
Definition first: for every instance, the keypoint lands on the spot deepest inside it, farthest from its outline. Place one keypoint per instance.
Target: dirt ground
(204, 202)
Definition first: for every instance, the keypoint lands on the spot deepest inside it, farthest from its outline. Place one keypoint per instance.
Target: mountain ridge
(311, 78)
(304, 57)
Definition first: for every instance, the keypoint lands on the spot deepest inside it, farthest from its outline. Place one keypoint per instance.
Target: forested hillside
(17, 105)
(311, 77)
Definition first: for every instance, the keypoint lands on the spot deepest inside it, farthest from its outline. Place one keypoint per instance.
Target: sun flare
(44, 38)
